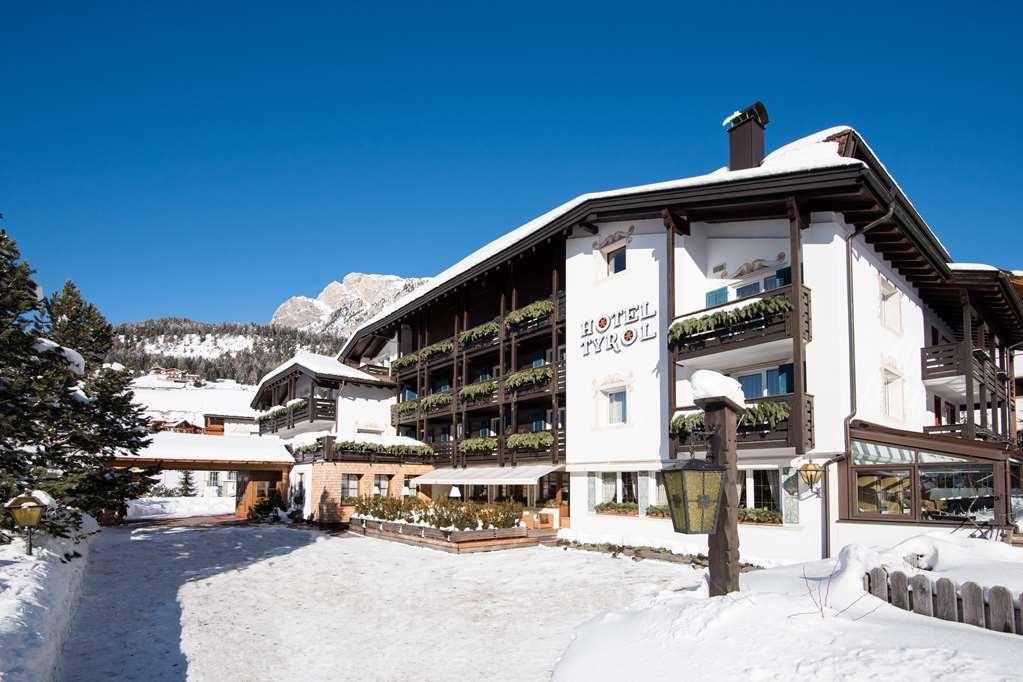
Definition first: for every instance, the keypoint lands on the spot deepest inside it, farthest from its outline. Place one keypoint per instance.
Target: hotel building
(553, 364)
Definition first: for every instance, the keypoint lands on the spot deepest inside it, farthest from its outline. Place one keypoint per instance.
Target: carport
(262, 463)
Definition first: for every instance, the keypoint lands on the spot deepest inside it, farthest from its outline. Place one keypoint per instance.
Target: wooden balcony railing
(750, 332)
(318, 410)
(948, 360)
(329, 450)
(785, 433)
(962, 431)
(439, 359)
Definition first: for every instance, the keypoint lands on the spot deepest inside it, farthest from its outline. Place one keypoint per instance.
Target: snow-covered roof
(812, 152)
(173, 400)
(324, 365)
(168, 445)
(981, 267)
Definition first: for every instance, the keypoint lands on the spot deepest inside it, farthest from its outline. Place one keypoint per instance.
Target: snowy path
(271, 603)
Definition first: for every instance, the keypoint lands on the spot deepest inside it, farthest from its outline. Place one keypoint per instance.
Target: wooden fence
(942, 599)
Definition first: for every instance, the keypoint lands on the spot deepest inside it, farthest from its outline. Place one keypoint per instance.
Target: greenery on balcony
(275, 411)
(528, 377)
(537, 310)
(764, 413)
(478, 333)
(435, 349)
(404, 407)
(479, 391)
(681, 332)
(435, 400)
(309, 449)
(478, 445)
(539, 440)
(406, 360)
(363, 447)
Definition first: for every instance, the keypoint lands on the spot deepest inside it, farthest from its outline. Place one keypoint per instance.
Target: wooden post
(797, 222)
(720, 415)
(966, 355)
(555, 364)
(669, 224)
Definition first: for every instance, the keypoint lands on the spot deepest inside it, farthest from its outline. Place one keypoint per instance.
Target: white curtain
(609, 487)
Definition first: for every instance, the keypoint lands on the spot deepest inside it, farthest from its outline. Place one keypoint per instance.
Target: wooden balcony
(329, 450)
(555, 453)
(741, 334)
(784, 434)
(963, 431)
(947, 361)
(318, 410)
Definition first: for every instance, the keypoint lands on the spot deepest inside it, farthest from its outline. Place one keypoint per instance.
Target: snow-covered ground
(271, 602)
(179, 507)
(807, 621)
(37, 596)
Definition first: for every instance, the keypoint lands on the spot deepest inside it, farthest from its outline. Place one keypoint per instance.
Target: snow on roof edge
(799, 155)
(320, 364)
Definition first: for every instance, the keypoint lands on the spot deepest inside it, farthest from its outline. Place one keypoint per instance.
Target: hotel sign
(614, 331)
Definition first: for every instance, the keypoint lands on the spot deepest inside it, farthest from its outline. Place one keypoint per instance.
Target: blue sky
(209, 162)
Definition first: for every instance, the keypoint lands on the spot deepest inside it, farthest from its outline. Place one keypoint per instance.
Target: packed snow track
(271, 603)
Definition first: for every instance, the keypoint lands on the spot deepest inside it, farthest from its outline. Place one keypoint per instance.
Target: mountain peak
(341, 306)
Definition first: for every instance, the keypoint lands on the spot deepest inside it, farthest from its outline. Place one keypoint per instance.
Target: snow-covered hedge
(38, 597)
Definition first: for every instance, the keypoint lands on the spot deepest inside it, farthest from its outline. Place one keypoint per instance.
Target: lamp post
(703, 495)
(26, 510)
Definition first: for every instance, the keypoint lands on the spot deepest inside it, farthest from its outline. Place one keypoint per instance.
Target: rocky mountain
(342, 306)
(243, 352)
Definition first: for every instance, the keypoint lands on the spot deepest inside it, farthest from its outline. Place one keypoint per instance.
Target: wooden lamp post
(703, 496)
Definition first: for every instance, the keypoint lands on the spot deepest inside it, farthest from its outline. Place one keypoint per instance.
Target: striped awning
(517, 475)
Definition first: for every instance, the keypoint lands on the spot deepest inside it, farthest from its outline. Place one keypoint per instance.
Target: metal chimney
(746, 137)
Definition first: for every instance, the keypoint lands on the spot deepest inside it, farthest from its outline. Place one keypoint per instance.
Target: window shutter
(717, 297)
(785, 379)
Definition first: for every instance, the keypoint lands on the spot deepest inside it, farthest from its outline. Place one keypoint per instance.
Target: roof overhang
(517, 475)
(297, 368)
(875, 433)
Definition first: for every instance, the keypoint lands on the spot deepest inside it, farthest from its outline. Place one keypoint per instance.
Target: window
(884, 492)
(230, 475)
(350, 485)
(747, 290)
(760, 489)
(949, 493)
(262, 488)
(766, 382)
(213, 478)
(609, 487)
(661, 496)
(539, 425)
(380, 482)
(916, 485)
(717, 297)
(616, 407)
(630, 487)
(616, 261)
(410, 489)
(892, 398)
(782, 278)
(891, 306)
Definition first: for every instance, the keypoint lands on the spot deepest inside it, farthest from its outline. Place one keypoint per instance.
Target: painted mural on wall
(617, 330)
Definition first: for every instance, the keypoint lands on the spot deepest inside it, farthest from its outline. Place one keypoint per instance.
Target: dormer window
(616, 261)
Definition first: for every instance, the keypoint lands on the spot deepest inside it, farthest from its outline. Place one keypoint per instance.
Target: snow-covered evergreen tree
(187, 486)
(62, 417)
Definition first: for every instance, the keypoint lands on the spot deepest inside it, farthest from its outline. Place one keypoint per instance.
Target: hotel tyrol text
(619, 329)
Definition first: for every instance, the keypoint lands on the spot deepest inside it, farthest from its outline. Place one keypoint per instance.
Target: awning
(517, 475)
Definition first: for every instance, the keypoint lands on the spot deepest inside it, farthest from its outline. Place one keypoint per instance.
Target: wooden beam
(797, 223)
(675, 223)
(589, 223)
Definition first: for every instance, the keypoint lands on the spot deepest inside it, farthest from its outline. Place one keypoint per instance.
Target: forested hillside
(243, 352)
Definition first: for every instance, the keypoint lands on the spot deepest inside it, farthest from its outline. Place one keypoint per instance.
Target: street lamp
(810, 473)
(26, 510)
(694, 495)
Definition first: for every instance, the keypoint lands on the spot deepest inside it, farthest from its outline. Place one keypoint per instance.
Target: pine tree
(187, 486)
(60, 423)
(76, 323)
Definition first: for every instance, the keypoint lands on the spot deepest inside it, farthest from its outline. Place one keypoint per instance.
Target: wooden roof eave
(796, 183)
(875, 433)
(317, 377)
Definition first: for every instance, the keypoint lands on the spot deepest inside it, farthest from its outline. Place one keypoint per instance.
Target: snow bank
(38, 596)
(179, 507)
(805, 621)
